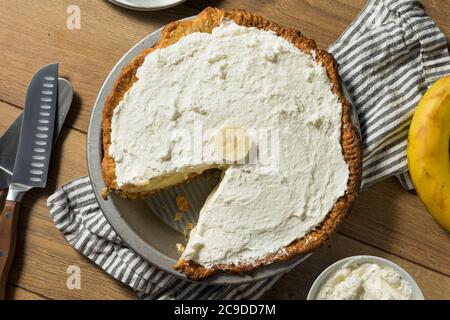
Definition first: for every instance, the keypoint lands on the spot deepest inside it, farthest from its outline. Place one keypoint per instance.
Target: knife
(32, 159)
(9, 142)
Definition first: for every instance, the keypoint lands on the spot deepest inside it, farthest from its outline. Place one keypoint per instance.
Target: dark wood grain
(14, 292)
(8, 234)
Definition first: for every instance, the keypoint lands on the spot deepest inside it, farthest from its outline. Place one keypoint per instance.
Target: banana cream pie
(233, 91)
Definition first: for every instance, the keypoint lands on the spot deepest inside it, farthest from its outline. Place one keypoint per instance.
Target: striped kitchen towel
(77, 215)
(388, 57)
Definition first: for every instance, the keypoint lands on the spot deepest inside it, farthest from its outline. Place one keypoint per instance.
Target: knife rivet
(8, 215)
(1, 253)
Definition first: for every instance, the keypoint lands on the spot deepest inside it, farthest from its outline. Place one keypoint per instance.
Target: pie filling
(247, 80)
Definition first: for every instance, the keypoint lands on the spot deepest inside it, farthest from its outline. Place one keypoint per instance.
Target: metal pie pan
(141, 229)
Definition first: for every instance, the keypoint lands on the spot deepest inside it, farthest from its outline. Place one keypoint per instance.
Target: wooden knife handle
(3, 193)
(8, 234)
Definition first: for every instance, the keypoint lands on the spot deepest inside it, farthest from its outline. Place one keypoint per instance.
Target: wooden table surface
(386, 221)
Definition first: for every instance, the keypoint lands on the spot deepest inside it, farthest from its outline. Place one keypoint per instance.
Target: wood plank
(50, 278)
(389, 218)
(438, 11)
(296, 284)
(321, 20)
(14, 292)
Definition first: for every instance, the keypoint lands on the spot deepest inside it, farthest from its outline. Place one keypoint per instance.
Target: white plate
(147, 5)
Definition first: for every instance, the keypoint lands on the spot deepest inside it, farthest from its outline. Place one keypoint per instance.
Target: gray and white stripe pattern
(77, 215)
(388, 57)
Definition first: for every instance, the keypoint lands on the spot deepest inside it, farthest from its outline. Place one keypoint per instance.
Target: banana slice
(232, 145)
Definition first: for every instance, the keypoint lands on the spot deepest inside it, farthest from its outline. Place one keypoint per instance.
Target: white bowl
(416, 292)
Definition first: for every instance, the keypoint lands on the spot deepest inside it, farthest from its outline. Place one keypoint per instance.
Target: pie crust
(208, 19)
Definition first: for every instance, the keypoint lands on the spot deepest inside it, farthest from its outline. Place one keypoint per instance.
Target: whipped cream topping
(367, 281)
(235, 77)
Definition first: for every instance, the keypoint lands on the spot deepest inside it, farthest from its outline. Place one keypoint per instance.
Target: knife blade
(36, 134)
(32, 159)
(9, 142)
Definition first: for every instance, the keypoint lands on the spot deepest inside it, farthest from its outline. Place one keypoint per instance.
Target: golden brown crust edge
(205, 22)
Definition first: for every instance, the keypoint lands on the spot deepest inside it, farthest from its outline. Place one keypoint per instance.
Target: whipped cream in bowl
(365, 278)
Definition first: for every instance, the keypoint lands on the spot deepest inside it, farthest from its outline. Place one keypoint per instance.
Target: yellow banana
(428, 151)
